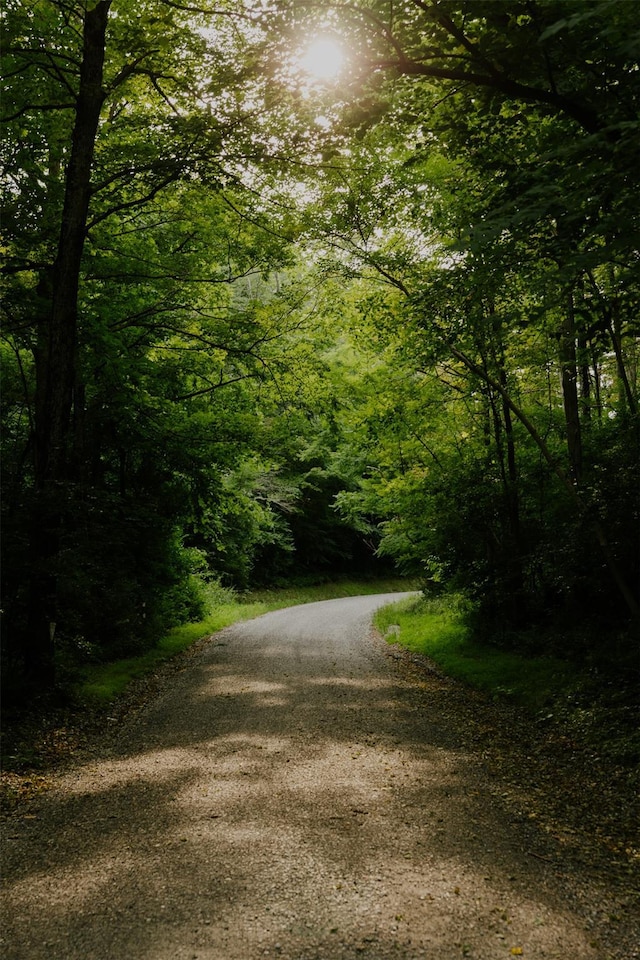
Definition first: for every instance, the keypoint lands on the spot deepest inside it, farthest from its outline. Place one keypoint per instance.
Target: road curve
(293, 793)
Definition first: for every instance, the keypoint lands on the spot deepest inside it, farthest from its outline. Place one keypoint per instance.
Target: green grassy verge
(103, 683)
(436, 628)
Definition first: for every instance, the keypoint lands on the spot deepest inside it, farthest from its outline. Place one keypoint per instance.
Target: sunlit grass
(437, 629)
(102, 683)
(288, 596)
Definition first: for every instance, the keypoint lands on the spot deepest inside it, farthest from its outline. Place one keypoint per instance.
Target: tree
(124, 252)
(464, 197)
(182, 385)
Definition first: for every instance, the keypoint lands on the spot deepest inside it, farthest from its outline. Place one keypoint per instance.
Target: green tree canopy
(255, 321)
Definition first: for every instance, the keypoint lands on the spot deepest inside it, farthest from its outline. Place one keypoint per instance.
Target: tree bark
(569, 374)
(57, 366)
(567, 481)
(626, 393)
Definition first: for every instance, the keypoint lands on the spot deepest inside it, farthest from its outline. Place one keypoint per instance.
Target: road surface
(295, 792)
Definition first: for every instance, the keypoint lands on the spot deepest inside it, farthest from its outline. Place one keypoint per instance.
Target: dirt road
(296, 793)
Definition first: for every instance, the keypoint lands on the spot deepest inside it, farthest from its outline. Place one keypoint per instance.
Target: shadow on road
(286, 798)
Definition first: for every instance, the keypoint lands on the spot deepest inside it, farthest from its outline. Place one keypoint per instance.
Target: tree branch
(511, 89)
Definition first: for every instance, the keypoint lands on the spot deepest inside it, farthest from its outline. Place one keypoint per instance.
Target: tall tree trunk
(58, 360)
(514, 503)
(583, 360)
(569, 484)
(585, 379)
(569, 374)
(510, 474)
(625, 391)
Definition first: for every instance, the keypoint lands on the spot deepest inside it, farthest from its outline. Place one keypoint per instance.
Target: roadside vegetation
(587, 699)
(439, 629)
(318, 329)
(102, 683)
(90, 696)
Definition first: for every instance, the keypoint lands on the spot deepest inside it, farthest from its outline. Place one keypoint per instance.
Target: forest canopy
(298, 288)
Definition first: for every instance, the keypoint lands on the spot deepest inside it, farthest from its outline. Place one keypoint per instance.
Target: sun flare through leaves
(323, 59)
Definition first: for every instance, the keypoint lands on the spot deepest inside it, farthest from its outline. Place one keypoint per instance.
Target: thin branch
(436, 14)
(215, 386)
(40, 107)
(583, 115)
(188, 8)
(257, 223)
(25, 266)
(129, 70)
(132, 204)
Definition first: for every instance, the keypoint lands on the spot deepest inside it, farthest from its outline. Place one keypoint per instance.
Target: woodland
(295, 289)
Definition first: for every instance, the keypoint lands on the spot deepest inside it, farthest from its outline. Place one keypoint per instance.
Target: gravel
(301, 790)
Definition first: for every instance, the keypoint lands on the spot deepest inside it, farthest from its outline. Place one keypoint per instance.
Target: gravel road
(294, 792)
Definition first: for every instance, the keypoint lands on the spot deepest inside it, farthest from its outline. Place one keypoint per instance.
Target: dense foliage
(486, 205)
(156, 331)
(256, 330)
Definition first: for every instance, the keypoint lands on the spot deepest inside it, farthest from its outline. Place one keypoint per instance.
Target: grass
(103, 683)
(433, 627)
(436, 628)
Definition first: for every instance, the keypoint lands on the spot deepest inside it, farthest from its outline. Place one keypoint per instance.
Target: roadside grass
(437, 629)
(103, 683)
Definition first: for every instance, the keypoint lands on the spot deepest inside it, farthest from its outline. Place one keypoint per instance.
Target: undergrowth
(105, 682)
(547, 687)
(438, 629)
